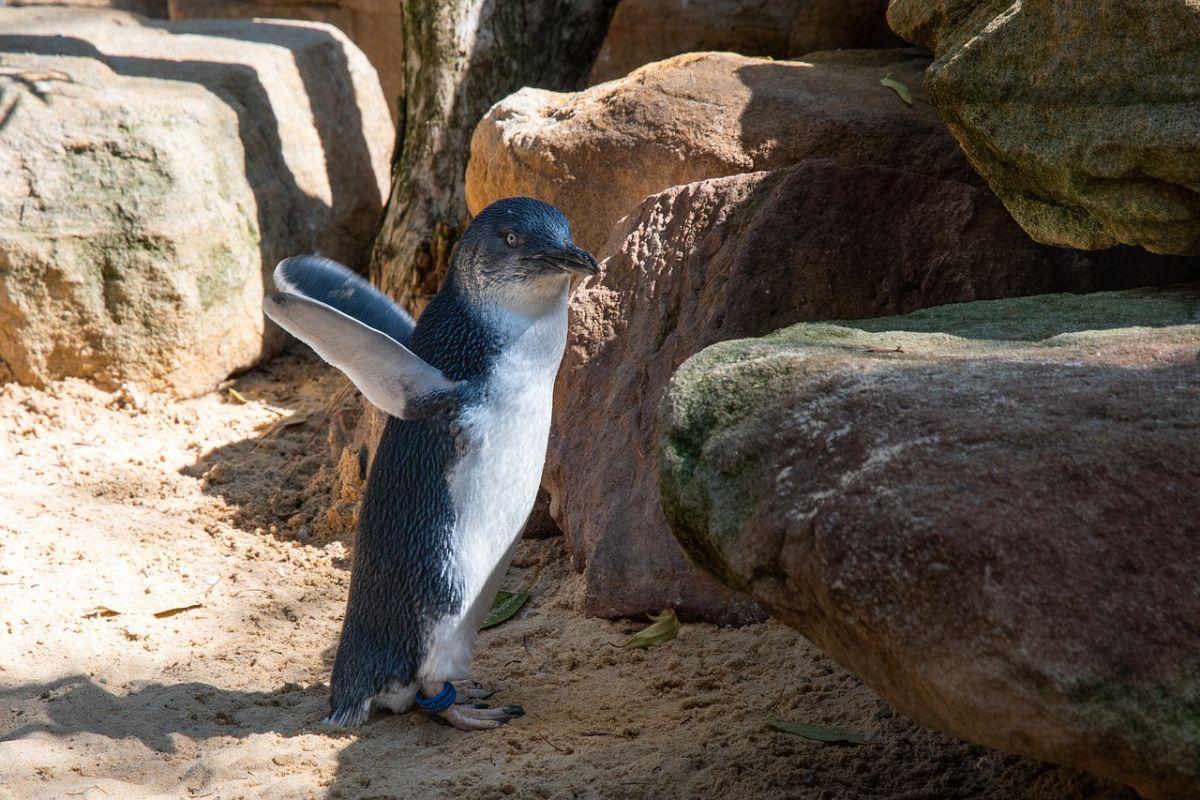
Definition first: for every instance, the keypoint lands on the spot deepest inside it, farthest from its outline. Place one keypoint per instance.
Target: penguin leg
(398, 698)
(473, 717)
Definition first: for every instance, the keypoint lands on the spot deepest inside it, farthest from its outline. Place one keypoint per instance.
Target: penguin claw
(474, 718)
(471, 691)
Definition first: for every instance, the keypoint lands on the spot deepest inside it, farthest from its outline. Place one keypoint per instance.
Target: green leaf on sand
(508, 603)
(899, 88)
(819, 733)
(504, 606)
(664, 629)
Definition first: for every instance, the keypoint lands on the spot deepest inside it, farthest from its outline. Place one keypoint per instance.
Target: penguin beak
(570, 258)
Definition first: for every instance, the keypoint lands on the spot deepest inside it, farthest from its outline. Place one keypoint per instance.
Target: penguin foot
(479, 717)
(471, 691)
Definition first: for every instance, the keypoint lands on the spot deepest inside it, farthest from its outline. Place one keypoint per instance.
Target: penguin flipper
(327, 281)
(388, 374)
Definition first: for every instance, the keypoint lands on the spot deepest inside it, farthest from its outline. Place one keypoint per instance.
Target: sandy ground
(143, 504)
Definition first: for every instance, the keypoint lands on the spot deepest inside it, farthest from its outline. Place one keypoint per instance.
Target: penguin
(467, 390)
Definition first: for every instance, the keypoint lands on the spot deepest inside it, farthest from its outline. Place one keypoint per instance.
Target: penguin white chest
(493, 486)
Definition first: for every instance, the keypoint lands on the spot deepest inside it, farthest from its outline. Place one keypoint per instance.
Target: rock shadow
(153, 712)
(344, 144)
(282, 207)
(869, 237)
(283, 479)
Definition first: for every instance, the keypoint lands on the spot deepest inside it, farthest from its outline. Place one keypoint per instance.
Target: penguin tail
(349, 714)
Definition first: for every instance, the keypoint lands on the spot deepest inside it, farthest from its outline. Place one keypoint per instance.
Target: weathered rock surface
(375, 26)
(742, 256)
(1083, 117)
(840, 24)
(644, 31)
(598, 153)
(151, 176)
(147, 8)
(986, 511)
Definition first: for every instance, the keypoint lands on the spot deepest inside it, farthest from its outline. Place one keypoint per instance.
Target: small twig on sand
(290, 465)
(552, 744)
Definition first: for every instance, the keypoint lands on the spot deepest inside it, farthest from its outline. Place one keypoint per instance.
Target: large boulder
(985, 511)
(151, 177)
(742, 256)
(598, 153)
(1083, 117)
(643, 31)
(375, 26)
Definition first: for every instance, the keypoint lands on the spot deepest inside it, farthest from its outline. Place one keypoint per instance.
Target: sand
(143, 504)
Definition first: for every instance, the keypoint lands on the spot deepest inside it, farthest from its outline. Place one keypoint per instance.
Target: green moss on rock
(1030, 319)
(718, 392)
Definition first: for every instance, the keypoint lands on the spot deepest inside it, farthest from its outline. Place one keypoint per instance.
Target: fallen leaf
(508, 603)
(100, 611)
(236, 395)
(819, 733)
(503, 607)
(898, 87)
(664, 629)
(170, 612)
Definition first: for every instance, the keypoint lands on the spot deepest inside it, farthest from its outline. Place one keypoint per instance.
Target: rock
(541, 524)
(598, 153)
(985, 511)
(840, 24)
(644, 31)
(1083, 117)
(152, 176)
(147, 8)
(375, 26)
(742, 256)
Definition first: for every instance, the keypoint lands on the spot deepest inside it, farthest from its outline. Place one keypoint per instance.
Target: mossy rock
(986, 511)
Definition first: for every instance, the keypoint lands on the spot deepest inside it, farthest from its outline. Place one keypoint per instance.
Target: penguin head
(518, 253)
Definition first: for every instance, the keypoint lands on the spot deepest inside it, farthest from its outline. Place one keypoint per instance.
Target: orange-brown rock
(644, 31)
(742, 256)
(598, 153)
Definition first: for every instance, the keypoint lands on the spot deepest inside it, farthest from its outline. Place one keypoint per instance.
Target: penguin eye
(511, 239)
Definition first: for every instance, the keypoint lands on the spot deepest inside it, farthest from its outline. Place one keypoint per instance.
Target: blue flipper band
(440, 701)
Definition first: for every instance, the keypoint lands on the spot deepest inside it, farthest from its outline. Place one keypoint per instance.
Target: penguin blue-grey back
(455, 474)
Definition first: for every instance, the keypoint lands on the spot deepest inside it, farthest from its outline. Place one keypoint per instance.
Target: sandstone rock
(375, 26)
(644, 31)
(596, 154)
(742, 256)
(1083, 117)
(151, 176)
(840, 24)
(147, 8)
(986, 511)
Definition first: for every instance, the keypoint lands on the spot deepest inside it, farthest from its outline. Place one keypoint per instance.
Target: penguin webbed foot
(461, 711)
(479, 717)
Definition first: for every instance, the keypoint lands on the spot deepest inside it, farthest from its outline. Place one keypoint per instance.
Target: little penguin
(467, 391)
